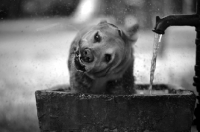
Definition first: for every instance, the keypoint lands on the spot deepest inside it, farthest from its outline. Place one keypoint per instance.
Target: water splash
(157, 41)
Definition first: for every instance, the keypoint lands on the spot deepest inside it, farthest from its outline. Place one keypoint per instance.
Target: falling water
(157, 41)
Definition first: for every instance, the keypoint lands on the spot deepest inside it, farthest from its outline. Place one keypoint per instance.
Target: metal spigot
(186, 20)
(175, 20)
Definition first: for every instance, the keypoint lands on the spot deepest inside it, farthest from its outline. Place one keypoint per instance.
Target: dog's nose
(86, 55)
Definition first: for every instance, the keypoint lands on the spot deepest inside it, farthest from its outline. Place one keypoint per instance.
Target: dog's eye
(74, 49)
(108, 57)
(97, 37)
(119, 32)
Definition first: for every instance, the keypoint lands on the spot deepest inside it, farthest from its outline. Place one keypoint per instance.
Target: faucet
(175, 20)
(186, 20)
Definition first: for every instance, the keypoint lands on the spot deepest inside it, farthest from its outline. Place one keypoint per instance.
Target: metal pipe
(186, 20)
(175, 20)
(197, 78)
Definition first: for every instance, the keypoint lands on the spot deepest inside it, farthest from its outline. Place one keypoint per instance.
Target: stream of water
(157, 41)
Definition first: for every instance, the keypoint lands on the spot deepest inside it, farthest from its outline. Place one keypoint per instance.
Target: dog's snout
(87, 55)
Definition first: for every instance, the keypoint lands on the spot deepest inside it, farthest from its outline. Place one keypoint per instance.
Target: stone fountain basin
(171, 111)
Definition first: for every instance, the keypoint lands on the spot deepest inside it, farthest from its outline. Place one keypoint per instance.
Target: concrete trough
(60, 111)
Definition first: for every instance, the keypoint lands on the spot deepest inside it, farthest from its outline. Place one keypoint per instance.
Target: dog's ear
(103, 22)
(130, 33)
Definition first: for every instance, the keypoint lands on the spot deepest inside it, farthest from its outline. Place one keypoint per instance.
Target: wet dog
(101, 60)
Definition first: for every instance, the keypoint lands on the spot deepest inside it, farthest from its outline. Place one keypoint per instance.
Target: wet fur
(123, 84)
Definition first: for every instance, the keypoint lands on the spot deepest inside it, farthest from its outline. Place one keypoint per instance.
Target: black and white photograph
(99, 65)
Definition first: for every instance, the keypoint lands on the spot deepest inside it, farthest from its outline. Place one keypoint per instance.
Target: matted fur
(101, 60)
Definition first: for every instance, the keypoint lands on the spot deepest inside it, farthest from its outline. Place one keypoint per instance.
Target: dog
(101, 60)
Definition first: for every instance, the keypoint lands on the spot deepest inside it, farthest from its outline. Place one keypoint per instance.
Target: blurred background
(35, 36)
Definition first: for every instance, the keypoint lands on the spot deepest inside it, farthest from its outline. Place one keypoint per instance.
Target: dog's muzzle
(87, 55)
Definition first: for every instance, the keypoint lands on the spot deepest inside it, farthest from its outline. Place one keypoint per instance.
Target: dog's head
(104, 49)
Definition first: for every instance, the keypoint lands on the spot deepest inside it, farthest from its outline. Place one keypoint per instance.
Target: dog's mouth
(79, 66)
